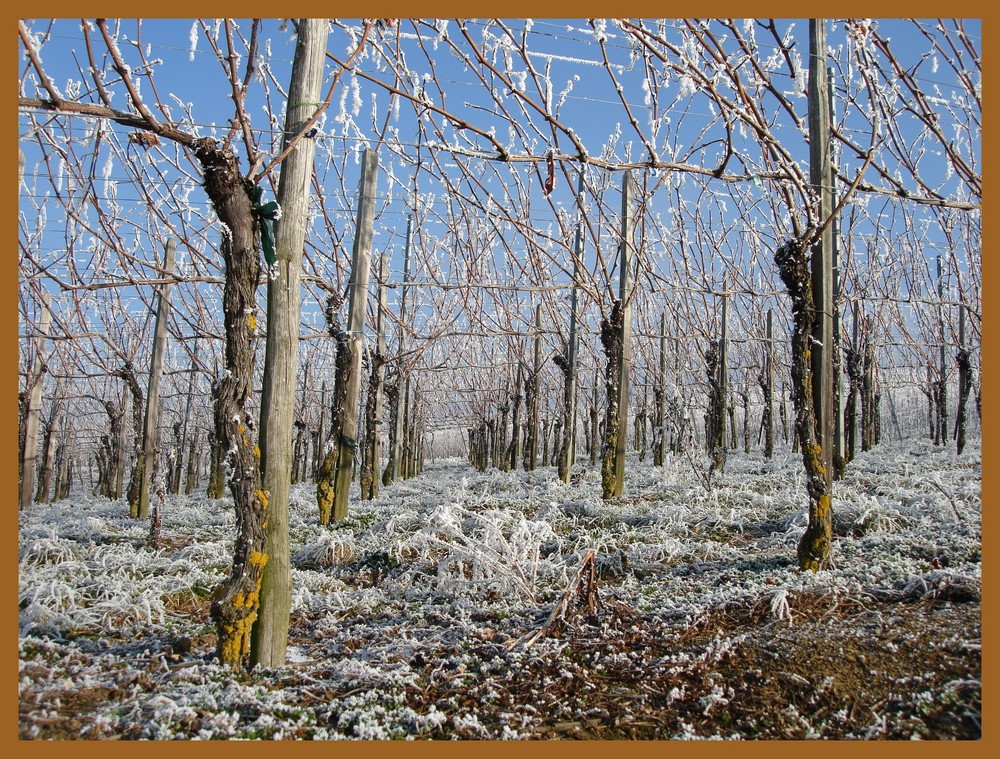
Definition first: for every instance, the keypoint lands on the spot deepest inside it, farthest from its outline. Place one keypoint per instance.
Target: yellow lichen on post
(816, 461)
(252, 321)
(824, 504)
(234, 644)
(814, 548)
(324, 498)
(257, 559)
(262, 496)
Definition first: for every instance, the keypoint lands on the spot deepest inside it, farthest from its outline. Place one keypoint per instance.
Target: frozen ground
(468, 605)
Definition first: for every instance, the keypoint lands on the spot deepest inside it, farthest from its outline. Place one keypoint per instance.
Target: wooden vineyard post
(839, 460)
(360, 267)
(514, 451)
(277, 414)
(150, 441)
(941, 395)
(34, 411)
(964, 382)
(119, 473)
(868, 388)
(854, 378)
(722, 398)
(595, 419)
(625, 294)
(532, 390)
(768, 386)
(813, 314)
(821, 177)
(678, 400)
(51, 438)
(503, 460)
(187, 416)
(567, 454)
(409, 430)
(373, 425)
(401, 384)
(320, 433)
(416, 427)
(660, 399)
(407, 418)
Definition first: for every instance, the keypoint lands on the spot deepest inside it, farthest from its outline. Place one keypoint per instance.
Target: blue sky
(567, 53)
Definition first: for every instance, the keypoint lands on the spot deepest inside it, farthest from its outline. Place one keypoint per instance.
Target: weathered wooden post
(769, 387)
(533, 389)
(150, 440)
(942, 384)
(854, 377)
(660, 399)
(50, 438)
(595, 431)
(811, 288)
(567, 454)
(514, 452)
(373, 432)
(723, 398)
(964, 382)
(839, 459)
(822, 271)
(320, 433)
(187, 416)
(360, 266)
(402, 380)
(33, 414)
(868, 388)
(277, 414)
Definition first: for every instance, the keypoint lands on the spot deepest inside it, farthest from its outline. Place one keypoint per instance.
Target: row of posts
(406, 445)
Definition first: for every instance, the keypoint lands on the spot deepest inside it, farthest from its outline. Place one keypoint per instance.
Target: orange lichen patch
(258, 559)
(324, 498)
(262, 496)
(238, 600)
(234, 642)
(824, 504)
(816, 465)
(256, 452)
(252, 321)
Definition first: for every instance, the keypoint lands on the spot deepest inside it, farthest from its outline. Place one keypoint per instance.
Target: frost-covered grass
(411, 618)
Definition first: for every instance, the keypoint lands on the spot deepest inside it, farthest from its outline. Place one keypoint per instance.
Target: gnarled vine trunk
(611, 339)
(793, 266)
(373, 424)
(326, 477)
(127, 373)
(236, 601)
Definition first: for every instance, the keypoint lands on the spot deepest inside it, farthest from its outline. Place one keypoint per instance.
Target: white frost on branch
(193, 39)
(565, 93)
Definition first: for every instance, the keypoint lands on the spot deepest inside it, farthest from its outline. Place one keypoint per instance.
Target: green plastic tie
(267, 214)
